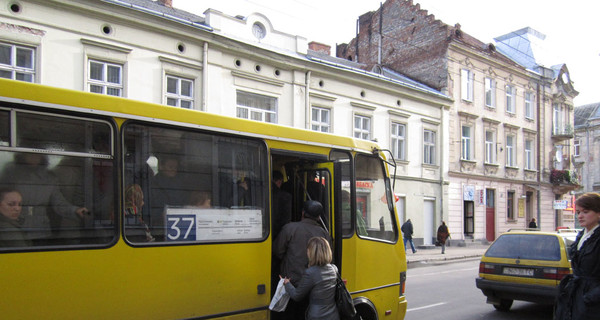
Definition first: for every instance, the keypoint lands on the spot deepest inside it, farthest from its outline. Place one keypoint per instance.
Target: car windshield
(525, 246)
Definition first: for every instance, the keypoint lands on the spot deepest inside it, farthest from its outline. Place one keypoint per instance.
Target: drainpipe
(442, 167)
(307, 101)
(204, 76)
(540, 103)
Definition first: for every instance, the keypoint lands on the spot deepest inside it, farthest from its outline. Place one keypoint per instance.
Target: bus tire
(365, 311)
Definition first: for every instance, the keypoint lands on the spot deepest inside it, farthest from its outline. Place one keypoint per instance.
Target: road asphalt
(432, 255)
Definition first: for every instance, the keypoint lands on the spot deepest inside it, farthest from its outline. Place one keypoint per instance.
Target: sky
(571, 37)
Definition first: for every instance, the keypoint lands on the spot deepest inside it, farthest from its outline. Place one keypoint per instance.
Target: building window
(490, 147)
(180, 92)
(558, 120)
(577, 147)
(320, 119)
(105, 78)
(466, 78)
(510, 205)
(17, 62)
(510, 151)
(362, 127)
(490, 93)
(529, 154)
(398, 141)
(529, 105)
(511, 93)
(466, 143)
(429, 147)
(256, 107)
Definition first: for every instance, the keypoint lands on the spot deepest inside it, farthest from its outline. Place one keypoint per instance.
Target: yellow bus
(132, 210)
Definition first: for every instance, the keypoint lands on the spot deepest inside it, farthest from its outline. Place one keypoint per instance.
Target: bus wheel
(365, 312)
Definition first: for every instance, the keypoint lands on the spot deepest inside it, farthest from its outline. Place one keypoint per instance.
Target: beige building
(509, 128)
(236, 66)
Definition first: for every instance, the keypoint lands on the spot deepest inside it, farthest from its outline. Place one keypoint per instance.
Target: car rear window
(525, 246)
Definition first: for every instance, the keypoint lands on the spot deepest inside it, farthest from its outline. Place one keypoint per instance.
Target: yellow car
(523, 265)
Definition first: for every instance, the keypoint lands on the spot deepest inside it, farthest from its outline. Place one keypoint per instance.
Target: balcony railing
(562, 132)
(564, 181)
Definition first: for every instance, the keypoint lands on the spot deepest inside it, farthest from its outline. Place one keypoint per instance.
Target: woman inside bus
(11, 234)
(318, 281)
(40, 190)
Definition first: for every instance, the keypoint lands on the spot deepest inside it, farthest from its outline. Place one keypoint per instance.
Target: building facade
(586, 148)
(507, 128)
(236, 66)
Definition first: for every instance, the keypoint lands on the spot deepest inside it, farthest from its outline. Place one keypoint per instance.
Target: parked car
(524, 265)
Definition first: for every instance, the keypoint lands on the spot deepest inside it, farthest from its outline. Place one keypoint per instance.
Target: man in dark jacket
(407, 232)
(290, 246)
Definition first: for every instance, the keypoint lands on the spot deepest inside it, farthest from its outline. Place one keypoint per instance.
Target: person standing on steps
(407, 232)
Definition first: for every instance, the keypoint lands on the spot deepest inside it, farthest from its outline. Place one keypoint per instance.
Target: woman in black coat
(579, 293)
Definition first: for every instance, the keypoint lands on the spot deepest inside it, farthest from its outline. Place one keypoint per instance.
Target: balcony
(564, 181)
(562, 133)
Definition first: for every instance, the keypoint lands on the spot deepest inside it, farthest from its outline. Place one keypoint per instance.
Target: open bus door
(321, 183)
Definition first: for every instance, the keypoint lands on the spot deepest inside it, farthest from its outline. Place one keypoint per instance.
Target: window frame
(510, 151)
(529, 154)
(576, 147)
(398, 141)
(490, 148)
(14, 68)
(318, 124)
(178, 96)
(466, 150)
(511, 95)
(490, 92)
(510, 205)
(265, 112)
(529, 105)
(104, 83)
(360, 132)
(429, 147)
(466, 88)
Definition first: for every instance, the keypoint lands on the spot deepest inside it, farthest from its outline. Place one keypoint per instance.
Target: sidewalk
(434, 254)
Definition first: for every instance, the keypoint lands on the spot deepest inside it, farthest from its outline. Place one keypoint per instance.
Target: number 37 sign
(185, 224)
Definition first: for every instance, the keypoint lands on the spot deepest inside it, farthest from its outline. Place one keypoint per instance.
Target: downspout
(540, 100)
(442, 166)
(204, 76)
(307, 101)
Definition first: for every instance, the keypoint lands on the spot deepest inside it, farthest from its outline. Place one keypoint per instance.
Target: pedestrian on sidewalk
(442, 236)
(407, 231)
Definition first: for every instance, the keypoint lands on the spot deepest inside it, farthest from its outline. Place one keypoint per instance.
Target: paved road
(445, 290)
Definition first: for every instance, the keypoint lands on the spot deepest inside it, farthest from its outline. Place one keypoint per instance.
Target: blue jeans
(412, 245)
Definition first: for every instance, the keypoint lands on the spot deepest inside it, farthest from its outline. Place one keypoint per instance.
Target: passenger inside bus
(134, 202)
(29, 174)
(200, 199)
(11, 232)
(281, 203)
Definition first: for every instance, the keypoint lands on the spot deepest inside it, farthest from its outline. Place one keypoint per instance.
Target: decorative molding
(428, 121)
(254, 77)
(322, 96)
(180, 63)
(511, 172)
(362, 106)
(490, 169)
(490, 121)
(399, 113)
(467, 165)
(105, 45)
(529, 131)
(468, 115)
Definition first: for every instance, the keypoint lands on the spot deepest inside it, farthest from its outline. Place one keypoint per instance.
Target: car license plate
(518, 272)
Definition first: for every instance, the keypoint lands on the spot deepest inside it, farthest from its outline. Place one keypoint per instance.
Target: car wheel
(504, 305)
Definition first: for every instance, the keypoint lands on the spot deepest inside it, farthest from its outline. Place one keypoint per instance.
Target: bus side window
(195, 185)
(64, 197)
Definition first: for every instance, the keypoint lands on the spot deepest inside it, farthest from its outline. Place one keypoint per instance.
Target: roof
(526, 47)
(156, 8)
(585, 113)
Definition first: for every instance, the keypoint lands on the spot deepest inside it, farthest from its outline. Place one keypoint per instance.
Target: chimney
(166, 3)
(319, 47)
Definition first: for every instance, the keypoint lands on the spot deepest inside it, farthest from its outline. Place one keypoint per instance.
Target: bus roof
(53, 97)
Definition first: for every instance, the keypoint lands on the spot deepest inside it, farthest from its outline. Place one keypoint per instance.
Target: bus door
(319, 183)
